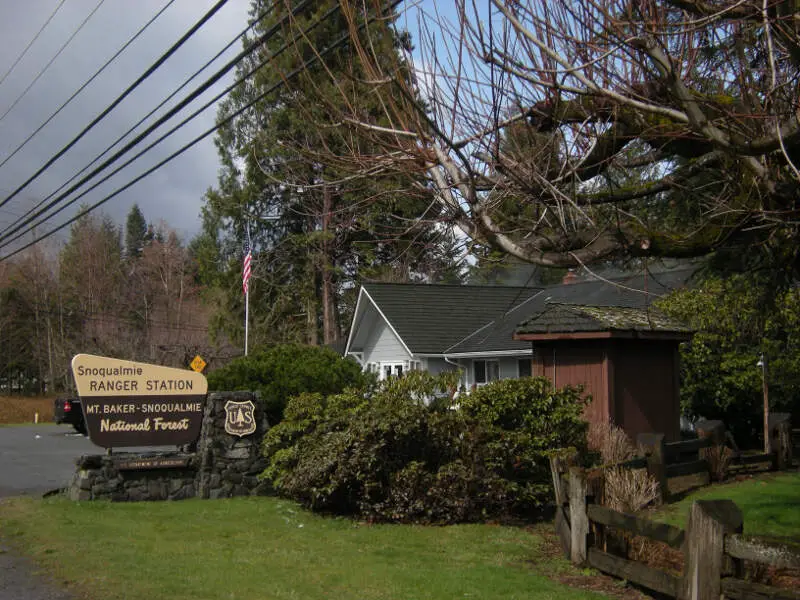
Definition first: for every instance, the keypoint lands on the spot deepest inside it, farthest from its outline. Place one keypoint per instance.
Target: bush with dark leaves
(286, 370)
(389, 455)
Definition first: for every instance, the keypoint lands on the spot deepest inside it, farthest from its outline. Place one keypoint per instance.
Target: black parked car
(68, 410)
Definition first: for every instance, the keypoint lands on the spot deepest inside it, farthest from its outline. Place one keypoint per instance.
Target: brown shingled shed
(626, 358)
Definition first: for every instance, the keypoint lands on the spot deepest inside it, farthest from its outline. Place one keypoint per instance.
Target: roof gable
(367, 313)
(430, 318)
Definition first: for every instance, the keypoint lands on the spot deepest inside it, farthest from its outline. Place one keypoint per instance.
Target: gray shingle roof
(431, 318)
(627, 291)
(464, 319)
(574, 318)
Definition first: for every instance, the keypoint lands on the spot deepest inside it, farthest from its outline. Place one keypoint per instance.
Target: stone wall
(109, 477)
(229, 464)
(222, 466)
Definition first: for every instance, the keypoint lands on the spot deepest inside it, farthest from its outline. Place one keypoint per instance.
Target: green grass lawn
(265, 548)
(770, 504)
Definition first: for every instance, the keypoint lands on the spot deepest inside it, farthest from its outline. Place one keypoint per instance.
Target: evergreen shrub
(286, 370)
(390, 454)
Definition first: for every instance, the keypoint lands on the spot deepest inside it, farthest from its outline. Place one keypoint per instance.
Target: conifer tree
(315, 234)
(135, 232)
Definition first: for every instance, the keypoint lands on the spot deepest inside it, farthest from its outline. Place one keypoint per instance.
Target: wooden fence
(696, 459)
(713, 548)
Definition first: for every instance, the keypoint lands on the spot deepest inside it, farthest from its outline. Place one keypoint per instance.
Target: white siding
(383, 345)
(434, 366)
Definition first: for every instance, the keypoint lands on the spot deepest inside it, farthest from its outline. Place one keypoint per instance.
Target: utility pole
(765, 386)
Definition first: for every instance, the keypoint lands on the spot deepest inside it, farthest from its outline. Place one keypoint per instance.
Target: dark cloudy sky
(175, 192)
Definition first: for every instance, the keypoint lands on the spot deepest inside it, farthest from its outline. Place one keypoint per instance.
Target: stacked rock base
(221, 465)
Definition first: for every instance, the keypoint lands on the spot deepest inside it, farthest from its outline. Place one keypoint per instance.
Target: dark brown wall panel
(577, 363)
(646, 396)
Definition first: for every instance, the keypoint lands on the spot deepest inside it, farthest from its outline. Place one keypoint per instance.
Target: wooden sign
(129, 403)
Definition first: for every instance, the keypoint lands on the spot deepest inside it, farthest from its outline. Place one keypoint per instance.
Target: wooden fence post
(656, 460)
(578, 519)
(709, 521)
(559, 463)
(781, 443)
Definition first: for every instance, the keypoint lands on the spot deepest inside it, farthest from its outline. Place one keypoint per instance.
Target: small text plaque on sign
(147, 463)
(129, 403)
(198, 364)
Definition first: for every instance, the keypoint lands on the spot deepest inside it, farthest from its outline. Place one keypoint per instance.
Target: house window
(388, 370)
(385, 370)
(524, 367)
(486, 371)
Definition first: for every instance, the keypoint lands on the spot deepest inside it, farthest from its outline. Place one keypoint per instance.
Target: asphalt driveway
(35, 459)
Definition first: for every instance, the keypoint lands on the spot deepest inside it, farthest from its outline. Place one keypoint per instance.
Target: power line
(186, 82)
(177, 108)
(283, 81)
(150, 70)
(51, 61)
(87, 82)
(32, 42)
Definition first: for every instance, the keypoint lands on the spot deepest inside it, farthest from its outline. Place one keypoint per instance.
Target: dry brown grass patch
(611, 442)
(656, 554)
(22, 409)
(719, 461)
(629, 490)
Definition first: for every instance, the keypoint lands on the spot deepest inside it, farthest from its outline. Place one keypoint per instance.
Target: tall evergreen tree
(314, 233)
(135, 232)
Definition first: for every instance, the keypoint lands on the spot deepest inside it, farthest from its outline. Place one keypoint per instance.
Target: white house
(402, 327)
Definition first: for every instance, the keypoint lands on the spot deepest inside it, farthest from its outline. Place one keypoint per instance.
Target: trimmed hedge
(286, 370)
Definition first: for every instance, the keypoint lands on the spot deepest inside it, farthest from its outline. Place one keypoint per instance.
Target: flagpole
(246, 271)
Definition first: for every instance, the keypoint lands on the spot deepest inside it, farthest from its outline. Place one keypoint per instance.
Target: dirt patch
(784, 578)
(584, 579)
(23, 409)
(24, 580)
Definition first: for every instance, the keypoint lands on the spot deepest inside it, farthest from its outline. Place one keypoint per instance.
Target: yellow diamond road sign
(198, 364)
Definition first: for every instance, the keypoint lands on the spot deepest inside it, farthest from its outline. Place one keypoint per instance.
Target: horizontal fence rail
(752, 459)
(675, 449)
(636, 572)
(640, 462)
(661, 532)
(687, 468)
(738, 589)
(781, 554)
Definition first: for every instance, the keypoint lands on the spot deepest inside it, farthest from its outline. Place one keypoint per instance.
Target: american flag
(248, 258)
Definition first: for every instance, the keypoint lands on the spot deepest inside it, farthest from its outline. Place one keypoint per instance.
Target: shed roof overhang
(561, 321)
(678, 336)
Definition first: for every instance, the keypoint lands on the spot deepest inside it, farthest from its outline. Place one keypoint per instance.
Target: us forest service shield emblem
(240, 418)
